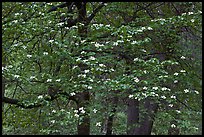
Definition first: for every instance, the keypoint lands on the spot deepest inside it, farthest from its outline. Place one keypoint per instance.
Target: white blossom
(83, 52)
(173, 126)
(45, 53)
(78, 59)
(86, 71)
(82, 75)
(74, 67)
(40, 97)
(149, 28)
(183, 71)
(189, 13)
(115, 43)
(4, 68)
(164, 88)
(97, 45)
(76, 111)
(176, 74)
(32, 77)
(72, 94)
(192, 20)
(164, 97)
(16, 14)
(51, 40)
(145, 72)
(178, 111)
(155, 88)
(130, 96)
(182, 57)
(91, 80)
(81, 108)
(98, 124)
(52, 121)
(92, 58)
(49, 80)
(83, 111)
(53, 111)
(112, 70)
(62, 110)
(145, 88)
(136, 59)
(102, 65)
(89, 87)
(139, 30)
(186, 90)
(10, 66)
(76, 115)
(171, 105)
(136, 80)
(174, 97)
(58, 80)
(16, 76)
(15, 21)
(29, 56)
(175, 81)
(60, 24)
(134, 42)
(143, 50)
(196, 91)
(95, 110)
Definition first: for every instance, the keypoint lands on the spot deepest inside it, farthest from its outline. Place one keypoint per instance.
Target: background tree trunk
(133, 117)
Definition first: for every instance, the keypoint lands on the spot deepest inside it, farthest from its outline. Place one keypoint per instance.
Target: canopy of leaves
(134, 50)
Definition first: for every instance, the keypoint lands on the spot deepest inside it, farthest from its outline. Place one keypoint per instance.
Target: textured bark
(84, 127)
(148, 117)
(111, 117)
(3, 90)
(139, 123)
(132, 117)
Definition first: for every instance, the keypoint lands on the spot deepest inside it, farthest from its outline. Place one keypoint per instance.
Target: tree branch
(19, 103)
(54, 8)
(94, 12)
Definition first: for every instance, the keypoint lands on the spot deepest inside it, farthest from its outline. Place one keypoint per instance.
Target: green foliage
(126, 50)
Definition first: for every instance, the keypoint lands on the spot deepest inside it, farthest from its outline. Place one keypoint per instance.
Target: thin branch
(95, 12)
(54, 8)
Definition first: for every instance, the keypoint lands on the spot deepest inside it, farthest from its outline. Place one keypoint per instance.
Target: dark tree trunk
(140, 123)
(133, 117)
(148, 117)
(3, 90)
(111, 117)
(83, 126)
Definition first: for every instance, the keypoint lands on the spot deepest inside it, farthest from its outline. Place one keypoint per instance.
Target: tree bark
(83, 126)
(148, 117)
(133, 117)
(111, 117)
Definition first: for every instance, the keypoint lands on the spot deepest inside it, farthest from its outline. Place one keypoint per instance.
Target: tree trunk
(111, 117)
(148, 117)
(133, 117)
(3, 90)
(83, 126)
(140, 123)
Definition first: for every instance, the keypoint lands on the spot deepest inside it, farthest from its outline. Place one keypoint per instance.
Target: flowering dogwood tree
(101, 68)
